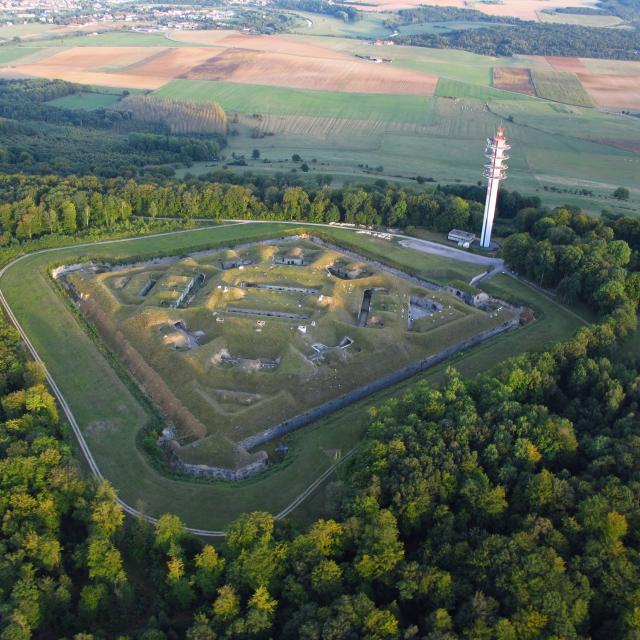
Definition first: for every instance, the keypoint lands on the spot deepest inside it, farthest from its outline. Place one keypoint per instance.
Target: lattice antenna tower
(495, 170)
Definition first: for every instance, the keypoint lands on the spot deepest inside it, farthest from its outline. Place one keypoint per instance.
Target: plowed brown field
(300, 72)
(174, 63)
(513, 79)
(615, 92)
(572, 65)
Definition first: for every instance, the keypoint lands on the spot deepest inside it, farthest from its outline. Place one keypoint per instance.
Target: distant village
(143, 17)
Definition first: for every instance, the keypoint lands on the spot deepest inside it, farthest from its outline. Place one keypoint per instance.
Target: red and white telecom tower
(495, 170)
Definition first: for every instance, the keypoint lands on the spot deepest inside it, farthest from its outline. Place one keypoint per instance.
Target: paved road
(493, 265)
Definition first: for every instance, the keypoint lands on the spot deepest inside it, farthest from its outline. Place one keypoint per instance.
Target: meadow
(249, 99)
(583, 20)
(86, 101)
(111, 416)
(11, 54)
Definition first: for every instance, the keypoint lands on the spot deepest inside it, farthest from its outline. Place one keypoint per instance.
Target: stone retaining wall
(218, 473)
(358, 394)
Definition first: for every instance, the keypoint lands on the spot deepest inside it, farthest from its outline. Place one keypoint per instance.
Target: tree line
(588, 259)
(578, 255)
(35, 206)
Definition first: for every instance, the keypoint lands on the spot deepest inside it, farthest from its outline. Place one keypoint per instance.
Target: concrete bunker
(147, 287)
(177, 336)
(422, 307)
(267, 313)
(349, 270)
(365, 308)
(293, 257)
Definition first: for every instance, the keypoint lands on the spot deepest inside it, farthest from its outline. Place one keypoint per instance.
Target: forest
(536, 38)
(501, 507)
(335, 9)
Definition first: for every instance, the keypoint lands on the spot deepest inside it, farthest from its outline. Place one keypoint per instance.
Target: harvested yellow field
(612, 67)
(83, 64)
(83, 58)
(275, 44)
(70, 74)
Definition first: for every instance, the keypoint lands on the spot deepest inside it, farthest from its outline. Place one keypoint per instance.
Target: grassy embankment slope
(110, 417)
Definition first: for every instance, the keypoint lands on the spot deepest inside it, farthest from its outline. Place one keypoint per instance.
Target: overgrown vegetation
(39, 137)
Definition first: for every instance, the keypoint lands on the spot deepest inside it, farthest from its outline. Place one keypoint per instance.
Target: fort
(254, 317)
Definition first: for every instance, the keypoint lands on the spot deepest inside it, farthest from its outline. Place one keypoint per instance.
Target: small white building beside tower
(495, 170)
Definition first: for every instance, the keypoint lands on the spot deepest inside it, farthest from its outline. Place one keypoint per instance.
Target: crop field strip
(513, 79)
(560, 86)
(454, 89)
(13, 54)
(105, 406)
(583, 20)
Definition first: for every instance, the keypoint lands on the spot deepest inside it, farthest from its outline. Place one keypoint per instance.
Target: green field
(111, 417)
(583, 20)
(115, 39)
(8, 32)
(560, 87)
(86, 101)
(454, 89)
(369, 26)
(442, 27)
(11, 54)
(249, 99)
